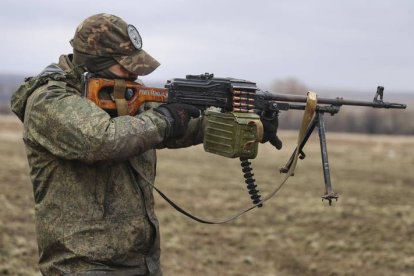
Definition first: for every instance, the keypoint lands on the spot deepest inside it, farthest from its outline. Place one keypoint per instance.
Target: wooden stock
(142, 94)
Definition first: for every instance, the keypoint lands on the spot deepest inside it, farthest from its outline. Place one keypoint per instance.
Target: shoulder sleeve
(72, 127)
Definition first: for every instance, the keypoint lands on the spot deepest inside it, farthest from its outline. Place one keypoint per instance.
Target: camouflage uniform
(92, 177)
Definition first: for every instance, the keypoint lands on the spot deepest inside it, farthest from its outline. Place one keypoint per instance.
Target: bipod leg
(329, 193)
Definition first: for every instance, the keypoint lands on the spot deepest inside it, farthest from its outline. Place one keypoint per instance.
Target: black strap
(184, 212)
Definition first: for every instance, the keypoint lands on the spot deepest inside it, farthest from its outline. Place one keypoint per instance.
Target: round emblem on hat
(135, 37)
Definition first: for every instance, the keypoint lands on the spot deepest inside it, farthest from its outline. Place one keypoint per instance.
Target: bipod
(318, 121)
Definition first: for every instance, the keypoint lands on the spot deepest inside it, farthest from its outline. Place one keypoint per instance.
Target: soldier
(92, 174)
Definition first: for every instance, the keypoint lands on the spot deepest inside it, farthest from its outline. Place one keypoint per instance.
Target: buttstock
(100, 90)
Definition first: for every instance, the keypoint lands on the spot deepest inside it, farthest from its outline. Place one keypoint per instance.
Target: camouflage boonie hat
(107, 35)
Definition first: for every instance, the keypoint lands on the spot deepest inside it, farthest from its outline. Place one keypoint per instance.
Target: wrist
(166, 113)
(166, 116)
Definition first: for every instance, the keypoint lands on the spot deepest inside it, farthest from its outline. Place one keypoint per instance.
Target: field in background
(369, 231)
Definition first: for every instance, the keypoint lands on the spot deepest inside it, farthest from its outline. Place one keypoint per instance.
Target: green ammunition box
(232, 134)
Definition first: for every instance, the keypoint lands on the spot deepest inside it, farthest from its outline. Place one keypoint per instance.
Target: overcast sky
(347, 44)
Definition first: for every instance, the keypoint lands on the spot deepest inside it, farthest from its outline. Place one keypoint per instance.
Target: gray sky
(347, 44)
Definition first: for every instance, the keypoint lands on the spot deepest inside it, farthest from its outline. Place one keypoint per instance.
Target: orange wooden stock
(142, 94)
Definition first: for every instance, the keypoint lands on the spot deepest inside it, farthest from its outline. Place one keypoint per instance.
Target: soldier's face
(122, 73)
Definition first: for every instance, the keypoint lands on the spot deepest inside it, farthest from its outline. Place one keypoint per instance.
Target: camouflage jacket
(91, 176)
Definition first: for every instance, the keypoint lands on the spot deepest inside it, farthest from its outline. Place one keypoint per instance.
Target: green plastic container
(232, 134)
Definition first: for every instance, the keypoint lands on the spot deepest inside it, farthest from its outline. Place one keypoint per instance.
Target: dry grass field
(369, 231)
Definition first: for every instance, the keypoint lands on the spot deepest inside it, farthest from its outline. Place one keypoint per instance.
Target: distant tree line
(349, 119)
(4, 109)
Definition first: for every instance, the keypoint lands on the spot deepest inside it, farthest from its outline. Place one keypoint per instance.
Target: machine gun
(233, 128)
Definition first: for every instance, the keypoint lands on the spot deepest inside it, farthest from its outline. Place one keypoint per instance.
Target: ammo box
(232, 134)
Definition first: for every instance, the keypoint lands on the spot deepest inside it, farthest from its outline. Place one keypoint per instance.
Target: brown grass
(369, 231)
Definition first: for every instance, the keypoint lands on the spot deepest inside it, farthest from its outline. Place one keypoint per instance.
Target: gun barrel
(337, 102)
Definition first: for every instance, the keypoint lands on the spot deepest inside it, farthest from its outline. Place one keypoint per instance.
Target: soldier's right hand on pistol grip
(178, 115)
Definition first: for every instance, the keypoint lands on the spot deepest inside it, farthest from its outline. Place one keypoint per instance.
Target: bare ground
(369, 231)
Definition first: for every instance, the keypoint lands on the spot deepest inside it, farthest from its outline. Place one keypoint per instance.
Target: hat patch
(134, 37)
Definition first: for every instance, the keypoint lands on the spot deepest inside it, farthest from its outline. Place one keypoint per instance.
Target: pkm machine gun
(233, 129)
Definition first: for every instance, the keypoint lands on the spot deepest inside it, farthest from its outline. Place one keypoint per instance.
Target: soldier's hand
(270, 123)
(178, 115)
